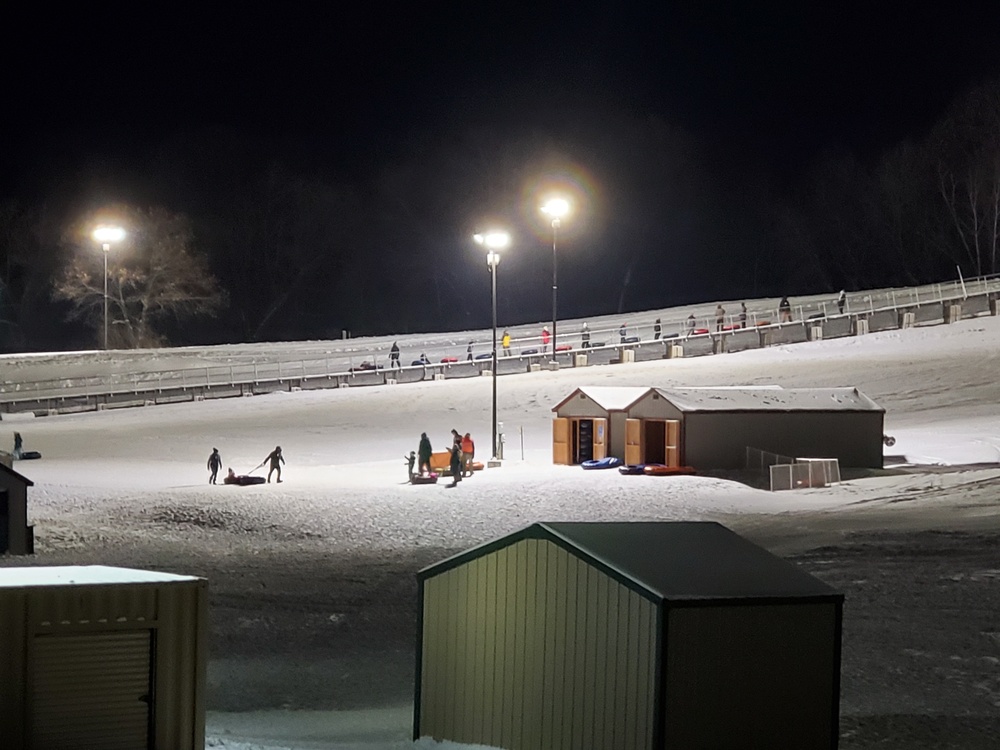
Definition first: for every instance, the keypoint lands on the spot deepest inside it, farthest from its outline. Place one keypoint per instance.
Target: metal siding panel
(180, 644)
(432, 689)
(630, 691)
(761, 672)
(461, 658)
(488, 705)
(579, 655)
(13, 652)
(87, 691)
(551, 688)
(500, 646)
(510, 649)
(646, 676)
(600, 613)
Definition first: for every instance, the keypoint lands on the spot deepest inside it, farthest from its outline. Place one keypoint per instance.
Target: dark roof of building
(688, 561)
(4, 467)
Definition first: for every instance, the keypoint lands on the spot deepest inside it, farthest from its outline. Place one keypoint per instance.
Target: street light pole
(106, 235)
(493, 259)
(493, 241)
(557, 208)
(107, 247)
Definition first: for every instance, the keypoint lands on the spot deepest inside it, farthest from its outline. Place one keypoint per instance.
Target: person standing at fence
(623, 332)
(743, 314)
(720, 317)
(785, 308)
(841, 301)
(546, 337)
(468, 352)
(657, 329)
(394, 355)
(505, 342)
(585, 337)
(690, 324)
(214, 464)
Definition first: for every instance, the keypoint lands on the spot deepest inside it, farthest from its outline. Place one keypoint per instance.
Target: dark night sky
(345, 90)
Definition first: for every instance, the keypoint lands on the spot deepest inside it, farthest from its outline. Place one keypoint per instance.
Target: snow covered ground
(312, 581)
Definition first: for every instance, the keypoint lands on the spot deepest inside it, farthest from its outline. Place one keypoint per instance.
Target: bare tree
(967, 145)
(155, 276)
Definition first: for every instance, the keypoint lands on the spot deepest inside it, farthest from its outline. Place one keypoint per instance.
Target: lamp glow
(105, 234)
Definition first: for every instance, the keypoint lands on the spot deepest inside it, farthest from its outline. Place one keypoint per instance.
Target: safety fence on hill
(648, 336)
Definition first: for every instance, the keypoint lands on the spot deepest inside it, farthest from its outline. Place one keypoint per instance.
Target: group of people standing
(462, 450)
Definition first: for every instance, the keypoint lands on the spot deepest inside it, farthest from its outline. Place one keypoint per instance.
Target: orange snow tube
(657, 470)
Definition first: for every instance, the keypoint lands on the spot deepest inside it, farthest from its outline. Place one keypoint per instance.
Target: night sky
(654, 111)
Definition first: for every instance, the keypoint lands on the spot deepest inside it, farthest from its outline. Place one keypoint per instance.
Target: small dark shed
(626, 635)
(16, 536)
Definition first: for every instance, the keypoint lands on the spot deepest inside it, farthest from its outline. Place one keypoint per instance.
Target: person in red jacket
(468, 453)
(545, 339)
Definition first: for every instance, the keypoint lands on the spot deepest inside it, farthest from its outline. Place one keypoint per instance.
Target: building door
(91, 691)
(560, 441)
(633, 442)
(654, 441)
(584, 444)
(600, 438)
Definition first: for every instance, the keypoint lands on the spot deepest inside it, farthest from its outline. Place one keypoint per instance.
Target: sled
(564, 348)
(889, 440)
(631, 340)
(28, 455)
(478, 466)
(486, 355)
(424, 479)
(449, 360)
(661, 470)
(631, 469)
(528, 352)
(243, 480)
(602, 463)
(699, 331)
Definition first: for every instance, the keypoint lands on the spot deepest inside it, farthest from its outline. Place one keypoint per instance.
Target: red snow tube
(699, 331)
(564, 348)
(449, 360)
(424, 479)
(658, 470)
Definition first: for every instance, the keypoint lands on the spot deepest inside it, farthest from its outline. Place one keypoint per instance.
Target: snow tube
(660, 470)
(26, 455)
(699, 331)
(602, 463)
(564, 348)
(243, 480)
(425, 479)
(631, 340)
(477, 466)
(528, 352)
(449, 360)
(631, 468)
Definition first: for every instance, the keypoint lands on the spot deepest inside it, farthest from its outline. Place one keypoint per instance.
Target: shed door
(633, 441)
(600, 438)
(91, 691)
(560, 440)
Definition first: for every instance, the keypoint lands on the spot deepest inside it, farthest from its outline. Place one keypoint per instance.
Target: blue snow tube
(602, 463)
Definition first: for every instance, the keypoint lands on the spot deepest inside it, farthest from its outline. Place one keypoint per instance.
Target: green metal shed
(626, 635)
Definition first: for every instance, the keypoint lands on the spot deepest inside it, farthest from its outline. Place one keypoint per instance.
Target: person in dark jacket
(456, 465)
(585, 337)
(785, 308)
(394, 355)
(214, 464)
(276, 460)
(411, 462)
(657, 329)
(424, 451)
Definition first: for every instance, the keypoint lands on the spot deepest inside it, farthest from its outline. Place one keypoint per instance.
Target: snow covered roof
(82, 575)
(608, 397)
(768, 399)
(669, 561)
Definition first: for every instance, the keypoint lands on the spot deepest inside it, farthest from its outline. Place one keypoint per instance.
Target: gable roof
(689, 561)
(608, 397)
(768, 399)
(4, 467)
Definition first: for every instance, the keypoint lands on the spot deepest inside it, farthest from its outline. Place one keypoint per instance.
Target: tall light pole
(556, 208)
(106, 235)
(493, 242)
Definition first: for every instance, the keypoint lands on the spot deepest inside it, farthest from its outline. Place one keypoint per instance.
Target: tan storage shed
(717, 425)
(99, 657)
(617, 636)
(590, 423)
(16, 536)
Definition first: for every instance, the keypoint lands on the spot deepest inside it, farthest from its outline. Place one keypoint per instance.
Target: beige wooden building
(16, 536)
(101, 657)
(711, 428)
(617, 636)
(590, 423)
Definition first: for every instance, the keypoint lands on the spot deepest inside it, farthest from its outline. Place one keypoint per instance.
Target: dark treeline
(302, 250)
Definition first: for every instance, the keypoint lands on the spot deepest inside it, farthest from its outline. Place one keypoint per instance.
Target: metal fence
(803, 473)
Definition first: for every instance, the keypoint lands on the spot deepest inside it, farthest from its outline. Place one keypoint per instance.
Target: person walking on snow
(424, 451)
(214, 464)
(456, 465)
(785, 308)
(394, 355)
(276, 460)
